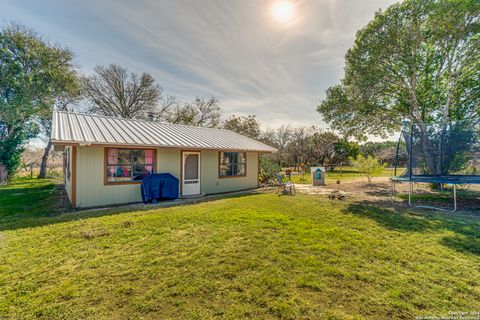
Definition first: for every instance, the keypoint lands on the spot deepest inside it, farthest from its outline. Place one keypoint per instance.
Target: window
(128, 165)
(232, 164)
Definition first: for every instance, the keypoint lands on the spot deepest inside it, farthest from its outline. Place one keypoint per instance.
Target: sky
(265, 58)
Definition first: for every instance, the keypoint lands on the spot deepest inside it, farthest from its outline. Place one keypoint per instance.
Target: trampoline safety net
(443, 149)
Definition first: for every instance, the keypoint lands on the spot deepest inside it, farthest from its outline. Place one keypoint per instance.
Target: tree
(166, 105)
(330, 150)
(324, 143)
(343, 150)
(113, 91)
(207, 112)
(66, 93)
(268, 169)
(201, 113)
(300, 145)
(280, 140)
(33, 74)
(246, 125)
(418, 60)
(369, 166)
(385, 151)
(267, 136)
(12, 146)
(306, 146)
(30, 159)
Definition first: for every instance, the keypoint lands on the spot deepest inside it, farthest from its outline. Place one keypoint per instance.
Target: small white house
(105, 157)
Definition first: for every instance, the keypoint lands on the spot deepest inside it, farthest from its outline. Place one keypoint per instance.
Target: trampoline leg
(410, 190)
(454, 198)
(438, 208)
(392, 190)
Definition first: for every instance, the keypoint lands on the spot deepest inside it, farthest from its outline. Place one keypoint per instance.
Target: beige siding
(211, 183)
(91, 190)
(168, 160)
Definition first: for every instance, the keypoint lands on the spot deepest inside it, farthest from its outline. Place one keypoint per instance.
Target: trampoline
(446, 153)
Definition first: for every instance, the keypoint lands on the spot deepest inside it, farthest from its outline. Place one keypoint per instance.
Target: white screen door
(190, 173)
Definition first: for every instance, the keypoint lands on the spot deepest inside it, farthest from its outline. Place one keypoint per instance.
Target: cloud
(232, 49)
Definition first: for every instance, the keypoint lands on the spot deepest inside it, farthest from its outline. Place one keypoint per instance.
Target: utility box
(318, 176)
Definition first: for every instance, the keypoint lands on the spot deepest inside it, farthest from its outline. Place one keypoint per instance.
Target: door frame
(199, 169)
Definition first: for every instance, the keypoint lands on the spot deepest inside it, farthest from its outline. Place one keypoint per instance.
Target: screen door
(190, 173)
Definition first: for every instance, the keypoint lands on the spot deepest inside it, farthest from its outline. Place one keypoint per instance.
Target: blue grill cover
(159, 186)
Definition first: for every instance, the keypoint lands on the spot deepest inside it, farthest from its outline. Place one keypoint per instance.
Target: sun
(283, 11)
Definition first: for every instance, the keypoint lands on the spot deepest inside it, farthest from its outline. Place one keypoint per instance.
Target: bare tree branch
(112, 91)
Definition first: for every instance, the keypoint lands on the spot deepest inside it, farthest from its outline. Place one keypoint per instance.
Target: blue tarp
(159, 186)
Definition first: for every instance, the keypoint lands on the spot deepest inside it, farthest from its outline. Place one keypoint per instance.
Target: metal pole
(441, 158)
(441, 153)
(454, 198)
(411, 153)
(397, 156)
(410, 189)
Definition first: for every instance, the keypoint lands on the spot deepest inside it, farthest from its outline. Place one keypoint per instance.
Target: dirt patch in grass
(379, 190)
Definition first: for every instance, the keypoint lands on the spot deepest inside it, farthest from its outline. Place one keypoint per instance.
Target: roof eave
(91, 144)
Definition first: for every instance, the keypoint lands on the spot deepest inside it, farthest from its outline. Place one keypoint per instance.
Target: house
(105, 158)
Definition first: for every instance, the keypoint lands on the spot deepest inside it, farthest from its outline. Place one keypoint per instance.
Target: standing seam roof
(70, 127)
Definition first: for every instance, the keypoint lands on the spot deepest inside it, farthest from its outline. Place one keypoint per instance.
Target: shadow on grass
(467, 198)
(377, 189)
(463, 244)
(28, 203)
(385, 213)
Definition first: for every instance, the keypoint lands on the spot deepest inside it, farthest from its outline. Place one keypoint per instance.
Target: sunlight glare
(283, 11)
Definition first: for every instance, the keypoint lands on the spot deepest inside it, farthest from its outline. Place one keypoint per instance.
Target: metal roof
(88, 129)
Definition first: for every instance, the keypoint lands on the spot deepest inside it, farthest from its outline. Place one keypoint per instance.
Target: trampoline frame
(441, 179)
(411, 184)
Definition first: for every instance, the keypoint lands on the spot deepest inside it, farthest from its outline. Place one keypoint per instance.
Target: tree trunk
(3, 174)
(428, 153)
(43, 166)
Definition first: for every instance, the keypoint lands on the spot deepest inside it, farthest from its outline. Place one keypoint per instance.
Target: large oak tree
(34, 74)
(418, 60)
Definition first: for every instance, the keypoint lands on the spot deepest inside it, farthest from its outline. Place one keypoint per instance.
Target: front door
(190, 173)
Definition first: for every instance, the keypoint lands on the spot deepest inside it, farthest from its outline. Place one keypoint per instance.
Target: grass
(344, 174)
(25, 197)
(255, 256)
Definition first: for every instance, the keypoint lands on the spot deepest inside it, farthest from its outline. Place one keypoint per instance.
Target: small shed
(106, 159)
(318, 176)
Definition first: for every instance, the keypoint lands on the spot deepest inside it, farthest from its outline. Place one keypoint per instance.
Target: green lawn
(345, 174)
(27, 202)
(256, 256)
